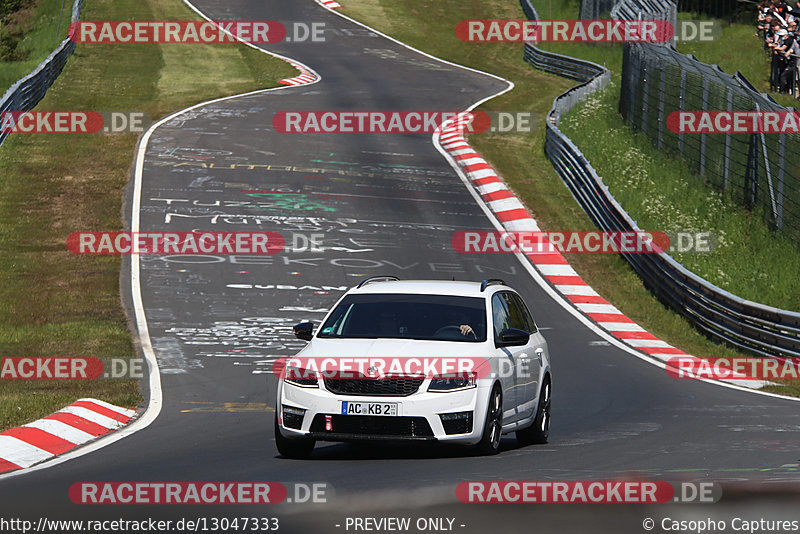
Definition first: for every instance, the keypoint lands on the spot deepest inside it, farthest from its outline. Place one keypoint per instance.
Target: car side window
(516, 317)
(499, 315)
(526, 314)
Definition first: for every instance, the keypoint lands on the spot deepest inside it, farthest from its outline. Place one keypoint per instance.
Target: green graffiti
(288, 201)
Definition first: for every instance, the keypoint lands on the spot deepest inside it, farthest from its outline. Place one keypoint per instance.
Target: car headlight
(301, 377)
(452, 383)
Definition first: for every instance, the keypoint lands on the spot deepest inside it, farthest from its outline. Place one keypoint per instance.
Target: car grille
(367, 426)
(381, 387)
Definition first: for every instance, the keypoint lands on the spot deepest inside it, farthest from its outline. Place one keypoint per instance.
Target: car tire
(296, 448)
(539, 431)
(493, 426)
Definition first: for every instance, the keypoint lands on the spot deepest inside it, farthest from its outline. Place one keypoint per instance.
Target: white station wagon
(500, 381)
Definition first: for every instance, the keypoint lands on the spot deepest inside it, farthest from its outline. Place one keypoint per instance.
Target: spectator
(778, 24)
(765, 27)
(780, 8)
(788, 63)
(778, 58)
(792, 52)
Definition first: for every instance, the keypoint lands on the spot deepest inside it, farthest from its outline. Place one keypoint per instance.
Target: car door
(530, 359)
(509, 358)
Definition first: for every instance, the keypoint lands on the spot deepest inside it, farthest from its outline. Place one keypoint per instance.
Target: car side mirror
(304, 330)
(514, 336)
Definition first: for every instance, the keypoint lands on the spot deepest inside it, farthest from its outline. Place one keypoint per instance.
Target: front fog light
(293, 417)
(457, 422)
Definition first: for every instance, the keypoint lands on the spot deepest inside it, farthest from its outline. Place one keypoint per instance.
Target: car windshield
(424, 317)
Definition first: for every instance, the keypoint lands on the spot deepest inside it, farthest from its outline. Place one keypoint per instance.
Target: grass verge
(53, 303)
(520, 158)
(30, 35)
(661, 193)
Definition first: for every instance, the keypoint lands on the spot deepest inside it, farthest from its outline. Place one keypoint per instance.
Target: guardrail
(29, 91)
(753, 327)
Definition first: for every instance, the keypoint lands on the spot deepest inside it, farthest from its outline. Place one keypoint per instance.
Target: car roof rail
(375, 278)
(491, 281)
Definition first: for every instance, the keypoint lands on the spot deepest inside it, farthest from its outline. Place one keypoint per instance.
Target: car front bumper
(419, 416)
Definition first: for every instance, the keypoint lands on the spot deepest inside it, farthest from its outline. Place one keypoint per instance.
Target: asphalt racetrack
(385, 204)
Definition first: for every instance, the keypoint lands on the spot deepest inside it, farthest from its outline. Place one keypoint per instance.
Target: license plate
(369, 408)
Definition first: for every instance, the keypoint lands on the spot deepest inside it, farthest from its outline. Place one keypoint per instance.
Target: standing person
(778, 61)
(785, 49)
(780, 8)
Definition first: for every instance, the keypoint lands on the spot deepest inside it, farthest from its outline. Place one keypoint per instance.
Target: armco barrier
(723, 316)
(29, 91)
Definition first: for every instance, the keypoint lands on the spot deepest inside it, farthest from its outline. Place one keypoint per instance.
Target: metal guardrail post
(781, 165)
(726, 165)
(661, 104)
(682, 108)
(704, 137)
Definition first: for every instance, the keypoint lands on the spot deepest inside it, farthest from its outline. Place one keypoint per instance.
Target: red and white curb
(551, 263)
(330, 4)
(80, 422)
(306, 75)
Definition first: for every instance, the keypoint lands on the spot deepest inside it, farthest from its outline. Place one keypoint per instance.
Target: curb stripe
(94, 417)
(40, 439)
(60, 432)
(102, 410)
(8, 466)
(23, 454)
(634, 335)
(609, 317)
(500, 194)
(305, 76)
(510, 215)
(564, 280)
(329, 4)
(78, 422)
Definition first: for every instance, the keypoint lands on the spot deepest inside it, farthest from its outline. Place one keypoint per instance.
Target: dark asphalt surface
(386, 204)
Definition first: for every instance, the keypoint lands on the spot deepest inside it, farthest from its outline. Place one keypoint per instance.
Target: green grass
(662, 194)
(520, 158)
(40, 38)
(53, 303)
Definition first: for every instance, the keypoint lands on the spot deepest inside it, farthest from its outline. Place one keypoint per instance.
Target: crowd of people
(778, 26)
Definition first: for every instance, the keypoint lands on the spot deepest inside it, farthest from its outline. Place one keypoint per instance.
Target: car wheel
(539, 431)
(492, 428)
(293, 448)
